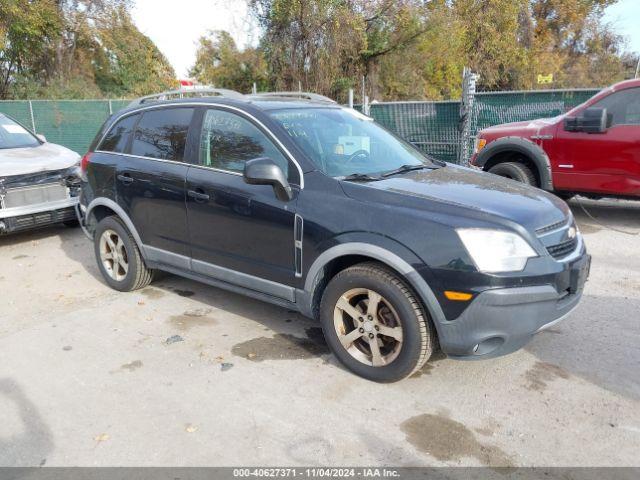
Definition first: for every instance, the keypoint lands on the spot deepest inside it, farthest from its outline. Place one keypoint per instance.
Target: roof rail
(316, 97)
(191, 92)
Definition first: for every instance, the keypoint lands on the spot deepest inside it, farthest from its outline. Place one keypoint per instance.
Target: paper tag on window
(14, 128)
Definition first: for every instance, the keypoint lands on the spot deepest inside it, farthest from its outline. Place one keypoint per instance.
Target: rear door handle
(125, 178)
(198, 195)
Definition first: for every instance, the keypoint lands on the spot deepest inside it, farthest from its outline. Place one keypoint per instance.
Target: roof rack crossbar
(181, 93)
(303, 95)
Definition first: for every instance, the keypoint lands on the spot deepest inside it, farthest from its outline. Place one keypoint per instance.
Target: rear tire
(118, 256)
(515, 171)
(374, 324)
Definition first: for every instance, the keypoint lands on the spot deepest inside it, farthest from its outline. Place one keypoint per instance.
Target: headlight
(496, 251)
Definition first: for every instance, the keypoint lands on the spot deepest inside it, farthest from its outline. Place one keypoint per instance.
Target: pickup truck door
(607, 163)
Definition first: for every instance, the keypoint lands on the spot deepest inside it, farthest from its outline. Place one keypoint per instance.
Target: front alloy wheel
(368, 327)
(374, 324)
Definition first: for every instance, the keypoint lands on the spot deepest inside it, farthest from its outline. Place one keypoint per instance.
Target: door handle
(198, 195)
(125, 178)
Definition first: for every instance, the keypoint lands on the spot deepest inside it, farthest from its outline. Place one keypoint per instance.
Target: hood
(471, 190)
(45, 157)
(529, 125)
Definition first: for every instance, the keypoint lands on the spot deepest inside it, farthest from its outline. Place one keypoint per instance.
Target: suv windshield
(345, 143)
(14, 135)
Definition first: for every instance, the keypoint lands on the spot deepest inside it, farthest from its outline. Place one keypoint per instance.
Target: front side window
(162, 133)
(14, 135)
(623, 106)
(342, 142)
(228, 141)
(118, 137)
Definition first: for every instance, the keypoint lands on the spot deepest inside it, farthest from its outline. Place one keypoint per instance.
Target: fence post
(33, 120)
(110, 108)
(351, 98)
(466, 114)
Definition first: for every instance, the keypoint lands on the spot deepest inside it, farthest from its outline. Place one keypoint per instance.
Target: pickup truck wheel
(374, 324)
(514, 171)
(118, 257)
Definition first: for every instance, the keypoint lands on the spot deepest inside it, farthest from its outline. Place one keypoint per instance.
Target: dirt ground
(185, 374)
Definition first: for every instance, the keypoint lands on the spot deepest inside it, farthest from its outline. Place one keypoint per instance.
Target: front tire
(374, 324)
(118, 257)
(514, 171)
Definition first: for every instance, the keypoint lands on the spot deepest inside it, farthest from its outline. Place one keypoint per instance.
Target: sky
(175, 26)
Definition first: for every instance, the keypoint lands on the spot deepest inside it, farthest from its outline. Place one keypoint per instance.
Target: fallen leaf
(103, 437)
(191, 428)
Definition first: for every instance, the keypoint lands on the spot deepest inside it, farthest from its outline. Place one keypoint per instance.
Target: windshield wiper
(406, 168)
(361, 177)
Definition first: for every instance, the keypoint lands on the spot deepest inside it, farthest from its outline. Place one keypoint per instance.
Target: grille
(563, 249)
(23, 196)
(550, 228)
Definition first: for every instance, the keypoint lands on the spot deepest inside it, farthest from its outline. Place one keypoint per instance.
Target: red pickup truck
(593, 150)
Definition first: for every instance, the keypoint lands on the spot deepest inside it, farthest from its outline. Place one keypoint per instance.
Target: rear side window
(118, 137)
(623, 106)
(162, 134)
(229, 140)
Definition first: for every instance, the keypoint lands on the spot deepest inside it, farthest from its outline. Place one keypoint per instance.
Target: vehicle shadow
(34, 441)
(598, 342)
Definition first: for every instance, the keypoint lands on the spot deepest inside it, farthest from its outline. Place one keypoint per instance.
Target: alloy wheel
(113, 255)
(368, 327)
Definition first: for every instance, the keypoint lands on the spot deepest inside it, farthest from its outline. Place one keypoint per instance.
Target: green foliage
(76, 49)
(220, 63)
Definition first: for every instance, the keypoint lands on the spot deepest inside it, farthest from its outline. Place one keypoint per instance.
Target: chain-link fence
(442, 129)
(438, 128)
(72, 123)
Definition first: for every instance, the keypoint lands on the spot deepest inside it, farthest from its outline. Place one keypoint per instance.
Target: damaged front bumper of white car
(38, 199)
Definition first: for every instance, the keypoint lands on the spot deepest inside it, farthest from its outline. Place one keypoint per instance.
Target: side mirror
(591, 120)
(41, 137)
(263, 171)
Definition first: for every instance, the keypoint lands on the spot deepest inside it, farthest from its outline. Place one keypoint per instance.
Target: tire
(400, 354)
(515, 171)
(136, 275)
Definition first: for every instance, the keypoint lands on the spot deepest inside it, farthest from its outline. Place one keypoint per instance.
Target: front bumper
(502, 320)
(33, 216)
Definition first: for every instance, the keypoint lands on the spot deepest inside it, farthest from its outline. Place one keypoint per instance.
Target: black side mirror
(263, 171)
(591, 120)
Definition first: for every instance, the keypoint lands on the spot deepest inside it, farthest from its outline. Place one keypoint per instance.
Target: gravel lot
(88, 378)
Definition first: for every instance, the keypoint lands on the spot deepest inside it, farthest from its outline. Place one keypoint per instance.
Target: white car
(39, 181)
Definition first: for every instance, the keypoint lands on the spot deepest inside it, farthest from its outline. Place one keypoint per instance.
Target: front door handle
(125, 178)
(198, 195)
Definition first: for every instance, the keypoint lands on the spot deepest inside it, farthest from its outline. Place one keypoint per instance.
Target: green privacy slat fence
(431, 126)
(72, 123)
(493, 108)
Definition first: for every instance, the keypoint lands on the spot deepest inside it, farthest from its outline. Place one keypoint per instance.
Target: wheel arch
(102, 207)
(342, 256)
(503, 149)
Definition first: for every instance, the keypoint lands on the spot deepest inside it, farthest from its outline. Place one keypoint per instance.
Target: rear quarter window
(162, 133)
(118, 136)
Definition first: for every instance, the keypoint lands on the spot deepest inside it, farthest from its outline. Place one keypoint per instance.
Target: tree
(219, 62)
(76, 49)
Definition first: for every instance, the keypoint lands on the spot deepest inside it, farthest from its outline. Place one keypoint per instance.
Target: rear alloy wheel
(374, 324)
(113, 255)
(118, 256)
(515, 171)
